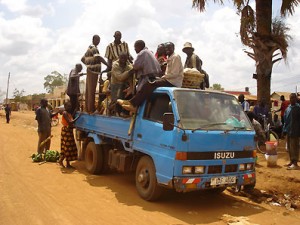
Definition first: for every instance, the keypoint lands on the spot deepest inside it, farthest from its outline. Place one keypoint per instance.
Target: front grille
(231, 168)
(214, 169)
(212, 155)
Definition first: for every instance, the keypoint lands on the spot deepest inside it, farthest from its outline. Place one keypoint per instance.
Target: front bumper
(186, 184)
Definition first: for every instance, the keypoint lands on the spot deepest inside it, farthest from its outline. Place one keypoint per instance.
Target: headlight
(249, 166)
(242, 167)
(199, 169)
(187, 169)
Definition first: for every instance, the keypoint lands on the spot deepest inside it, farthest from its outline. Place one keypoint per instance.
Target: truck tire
(145, 180)
(105, 149)
(81, 144)
(215, 191)
(93, 158)
(249, 187)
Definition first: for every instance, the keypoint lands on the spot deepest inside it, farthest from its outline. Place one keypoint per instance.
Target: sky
(38, 37)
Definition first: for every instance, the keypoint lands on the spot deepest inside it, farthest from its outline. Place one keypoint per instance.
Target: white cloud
(14, 6)
(32, 47)
(22, 7)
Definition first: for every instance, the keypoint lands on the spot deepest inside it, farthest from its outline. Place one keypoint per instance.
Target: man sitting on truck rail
(172, 78)
(120, 79)
(193, 61)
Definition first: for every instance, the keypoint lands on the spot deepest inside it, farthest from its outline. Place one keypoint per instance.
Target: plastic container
(271, 147)
(271, 159)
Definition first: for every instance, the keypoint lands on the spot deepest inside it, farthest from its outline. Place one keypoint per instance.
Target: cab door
(150, 138)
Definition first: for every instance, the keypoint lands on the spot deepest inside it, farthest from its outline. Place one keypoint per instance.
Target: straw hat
(187, 45)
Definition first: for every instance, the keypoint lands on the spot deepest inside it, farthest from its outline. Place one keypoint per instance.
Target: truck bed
(109, 126)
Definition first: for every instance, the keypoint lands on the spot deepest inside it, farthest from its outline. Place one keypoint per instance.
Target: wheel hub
(143, 177)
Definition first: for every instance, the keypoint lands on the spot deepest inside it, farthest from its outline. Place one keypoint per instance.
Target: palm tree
(267, 37)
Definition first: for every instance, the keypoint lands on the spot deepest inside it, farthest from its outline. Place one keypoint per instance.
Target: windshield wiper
(240, 128)
(208, 125)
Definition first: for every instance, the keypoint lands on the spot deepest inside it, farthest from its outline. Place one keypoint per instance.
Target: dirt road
(46, 194)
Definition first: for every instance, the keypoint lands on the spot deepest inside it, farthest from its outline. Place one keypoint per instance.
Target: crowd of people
(131, 81)
(288, 126)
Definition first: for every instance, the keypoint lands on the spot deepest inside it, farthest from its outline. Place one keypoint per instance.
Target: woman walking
(68, 146)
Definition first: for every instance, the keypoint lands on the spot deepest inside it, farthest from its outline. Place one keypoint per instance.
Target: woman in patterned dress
(68, 146)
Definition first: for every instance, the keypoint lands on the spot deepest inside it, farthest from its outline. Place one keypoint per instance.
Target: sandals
(70, 167)
(60, 162)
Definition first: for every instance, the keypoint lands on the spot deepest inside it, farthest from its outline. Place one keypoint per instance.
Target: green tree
(18, 96)
(217, 87)
(55, 79)
(267, 37)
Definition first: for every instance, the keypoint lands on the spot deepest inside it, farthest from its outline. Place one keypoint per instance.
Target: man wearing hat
(193, 61)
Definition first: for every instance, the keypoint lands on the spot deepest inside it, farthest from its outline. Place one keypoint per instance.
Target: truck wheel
(145, 180)
(215, 191)
(80, 144)
(249, 187)
(105, 149)
(93, 158)
(82, 149)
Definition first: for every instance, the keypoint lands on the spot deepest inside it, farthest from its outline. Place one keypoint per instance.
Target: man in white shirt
(172, 78)
(245, 104)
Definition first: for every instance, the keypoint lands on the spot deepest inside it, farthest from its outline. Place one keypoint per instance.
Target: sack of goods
(192, 78)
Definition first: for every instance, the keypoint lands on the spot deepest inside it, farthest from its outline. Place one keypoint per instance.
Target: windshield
(199, 110)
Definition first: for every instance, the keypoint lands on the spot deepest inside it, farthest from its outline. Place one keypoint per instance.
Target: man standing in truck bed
(114, 49)
(73, 90)
(92, 60)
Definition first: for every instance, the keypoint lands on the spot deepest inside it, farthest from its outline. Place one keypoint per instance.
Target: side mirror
(168, 121)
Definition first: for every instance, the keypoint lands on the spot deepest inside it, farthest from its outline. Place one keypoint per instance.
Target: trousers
(90, 90)
(42, 136)
(74, 102)
(293, 148)
(147, 89)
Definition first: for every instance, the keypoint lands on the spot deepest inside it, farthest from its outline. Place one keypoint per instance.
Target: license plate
(222, 180)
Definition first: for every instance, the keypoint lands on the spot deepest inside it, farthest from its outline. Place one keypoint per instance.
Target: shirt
(146, 64)
(283, 107)
(91, 60)
(73, 84)
(120, 75)
(7, 110)
(113, 50)
(258, 111)
(292, 120)
(43, 118)
(258, 129)
(64, 122)
(174, 70)
(193, 62)
(246, 106)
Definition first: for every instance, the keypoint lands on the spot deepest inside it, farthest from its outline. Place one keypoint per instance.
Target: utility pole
(7, 88)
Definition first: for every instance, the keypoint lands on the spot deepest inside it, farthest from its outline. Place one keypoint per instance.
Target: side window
(156, 106)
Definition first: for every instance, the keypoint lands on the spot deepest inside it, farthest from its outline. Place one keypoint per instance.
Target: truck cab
(182, 139)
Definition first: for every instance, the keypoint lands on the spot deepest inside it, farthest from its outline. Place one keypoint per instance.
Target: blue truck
(182, 139)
